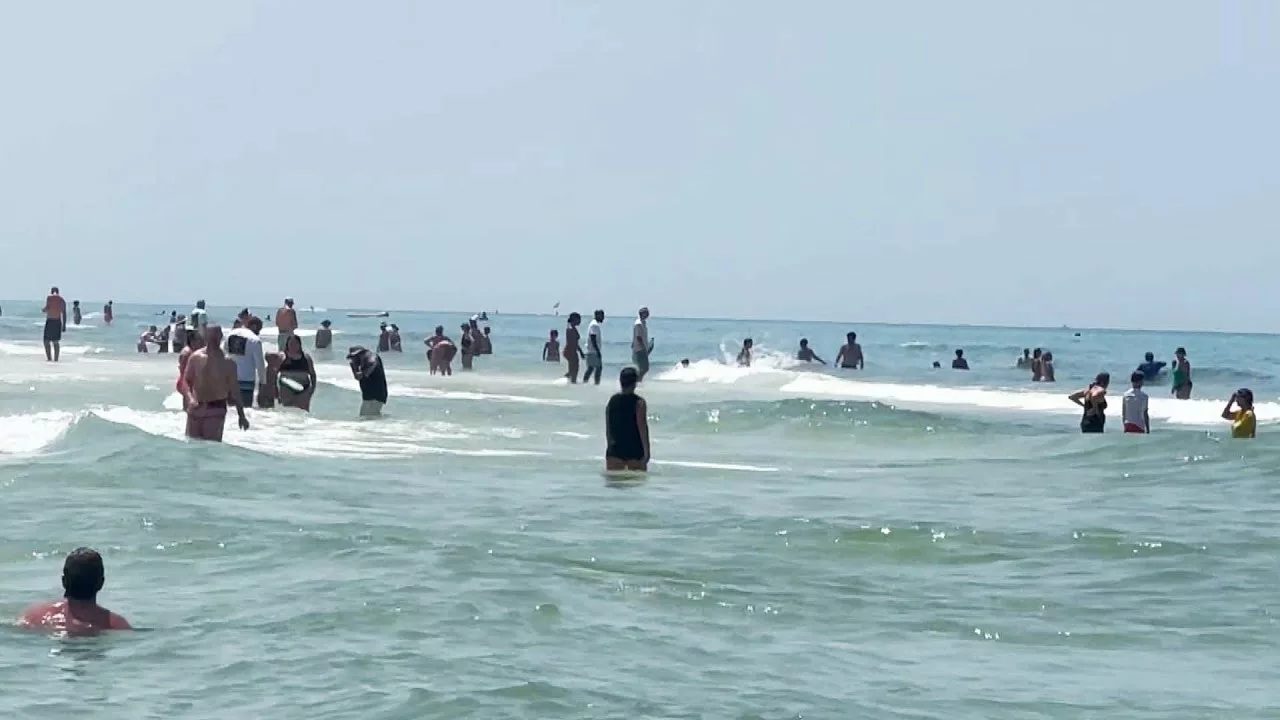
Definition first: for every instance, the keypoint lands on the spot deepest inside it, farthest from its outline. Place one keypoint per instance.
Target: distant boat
(384, 313)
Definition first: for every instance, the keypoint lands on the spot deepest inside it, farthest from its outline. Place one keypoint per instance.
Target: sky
(1090, 164)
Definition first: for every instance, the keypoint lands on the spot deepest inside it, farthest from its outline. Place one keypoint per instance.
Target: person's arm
(189, 380)
(1078, 397)
(642, 422)
(1228, 413)
(233, 393)
(311, 373)
(259, 364)
(546, 349)
(594, 341)
(840, 356)
(1146, 419)
(862, 360)
(815, 357)
(608, 429)
(119, 623)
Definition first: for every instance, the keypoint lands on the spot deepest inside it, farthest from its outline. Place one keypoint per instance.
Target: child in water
(551, 351)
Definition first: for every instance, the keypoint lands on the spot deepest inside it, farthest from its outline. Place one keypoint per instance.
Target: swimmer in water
(487, 347)
(1239, 410)
(684, 362)
(1151, 368)
(78, 612)
(641, 345)
(551, 350)
(366, 366)
(959, 363)
(626, 426)
(850, 355)
(468, 349)
(396, 345)
(384, 338)
(210, 378)
(324, 336)
(1181, 375)
(806, 353)
(1133, 408)
(55, 323)
(1024, 362)
(147, 337)
(440, 352)
(1093, 400)
(286, 322)
(75, 312)
(1046, 368)
(744, 355)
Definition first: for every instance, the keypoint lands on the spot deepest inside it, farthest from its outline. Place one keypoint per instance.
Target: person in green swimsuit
(1181, 375)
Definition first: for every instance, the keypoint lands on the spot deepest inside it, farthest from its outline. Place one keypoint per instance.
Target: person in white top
(1136, 417)
(244, 347)
(595, 360)
(199, 317)
(641, 345)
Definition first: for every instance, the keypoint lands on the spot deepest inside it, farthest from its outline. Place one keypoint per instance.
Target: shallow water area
(900, 542)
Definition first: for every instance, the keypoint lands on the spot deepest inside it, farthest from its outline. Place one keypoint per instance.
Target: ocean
(900, 542)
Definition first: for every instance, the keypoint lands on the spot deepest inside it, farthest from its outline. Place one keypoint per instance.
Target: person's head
(1102, 380)
(959, 353)
(193, 340)
(1047, 357)
(1026, 352)
(83, 575)
(1036, 353)
(243, 314)
(644, 313)
(75, 303)
(464, 327)
(325, 323)
(152, 328)
(288, 302)
(199, 304)
(213, 336)
(555, 334)
(293, 346)
(628, 379)
(804, 342)
(238, 323)
(382, 327)
(748, 343)
(255, 325)
(1180, 352)
(851, 336)
(684, 362)
(1244, 398)
(486, 329)
(1151, 357)
(439, 330)
(575, 319)
(599, 315)
(110, 303)
(395, 328)
(1137, 379)
(53, 290)
(936, 365)
(474, 321)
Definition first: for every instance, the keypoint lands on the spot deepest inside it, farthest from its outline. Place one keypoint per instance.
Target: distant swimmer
(850, 355)
(109, 312)
(1239, 410)
(367, 369)
(573, 353)
(684, 363)
(486, 342)
(55, 323)
(1037, 370)
(551, 349)
(78, 612)
(806, 354)
(198, 317)
(245, 348)
(324, 336)
(384, 338)
(1046, 368)
(1181, 375)
(286, 321)
(595, 343)
(959, 363)
(397, 345)
(297, 376)
(744, 355)
(1094, 401)
(626, 426)
(210, 379)
(440, 352)
(1151, 368)
(75, 312)
(641, 345)
(147, 338)
(1024, 362)
(467, 348)
(1134, 408)
(937, 365)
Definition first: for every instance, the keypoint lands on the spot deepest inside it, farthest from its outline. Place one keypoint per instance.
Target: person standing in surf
(551, 349)
(641, 345)
(1134, 411)
(366, 366)
(210, 379)
(1094, 401)
(109, 312)
(626, 426)
(806, 353)
(55, 323)
(324, 336)
(1181, 375)
(595, 358)
(75, 312)
(245, 348)
(1239, 410)
(297, 379)
(744, 355)
(440, 352)
(467, 349)
(286, 322)
(850, 355)
(573, 347)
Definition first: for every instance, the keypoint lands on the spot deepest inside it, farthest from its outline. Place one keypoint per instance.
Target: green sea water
(896, 543)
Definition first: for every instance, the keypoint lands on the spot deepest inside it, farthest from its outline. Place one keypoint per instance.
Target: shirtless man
(286, 321)
(55, 323)
(76, 317)
(806, 353)
(440, 352)
(641, 345)
(573, 347)
(850, 355)
(78, 612)
(211, 383)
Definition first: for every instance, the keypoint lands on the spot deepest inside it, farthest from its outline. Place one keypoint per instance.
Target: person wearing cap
(286, 322)
(641, 345)
(1239, 410)
(626, 426)
(366, 366)
(324, 336)
(78, 612)
(199, 317)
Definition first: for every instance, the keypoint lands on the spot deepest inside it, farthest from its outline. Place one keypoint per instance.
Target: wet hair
(1180, 351)
(439, 329)
(1150, 356)
(1245, 395)
(54, 289)
(937, 364)
(1137, 378)
(959, 352)
(599, 315)
(628, 377)
(83, 575)
(255, 325)
(574, 318)
(237, 324)
(851, 336)
(1037, 352)
(289, 342)
(193, 338)
(75, 302)
(555, 333)
(326, 323)
(1026, 351)
(748, 342)
(1102, 380)
(804, 342)
(685, 362)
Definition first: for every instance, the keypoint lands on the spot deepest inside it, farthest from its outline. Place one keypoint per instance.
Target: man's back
(55, 307)
(76, 619)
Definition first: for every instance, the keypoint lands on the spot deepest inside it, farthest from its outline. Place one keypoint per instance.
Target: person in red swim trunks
(78, 612)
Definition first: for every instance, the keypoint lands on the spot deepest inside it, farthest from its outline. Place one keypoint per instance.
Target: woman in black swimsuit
(1094, 401)
(297, 366)
(626, 426)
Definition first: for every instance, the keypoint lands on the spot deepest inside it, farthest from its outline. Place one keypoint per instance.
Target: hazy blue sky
(1095, 163)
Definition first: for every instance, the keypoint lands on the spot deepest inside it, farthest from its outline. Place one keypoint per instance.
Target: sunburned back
(61, 617)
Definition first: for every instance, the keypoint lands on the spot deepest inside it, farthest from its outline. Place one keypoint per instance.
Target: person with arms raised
(1239, 410)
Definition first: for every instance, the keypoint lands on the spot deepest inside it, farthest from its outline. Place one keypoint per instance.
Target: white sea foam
(398, 390)
(36, 349)
(32, 432)
(715, 466)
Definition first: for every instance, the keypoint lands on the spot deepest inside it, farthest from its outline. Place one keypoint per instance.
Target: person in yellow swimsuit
(1239, 410)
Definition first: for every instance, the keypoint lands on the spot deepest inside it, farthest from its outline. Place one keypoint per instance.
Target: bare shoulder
(119, 623)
